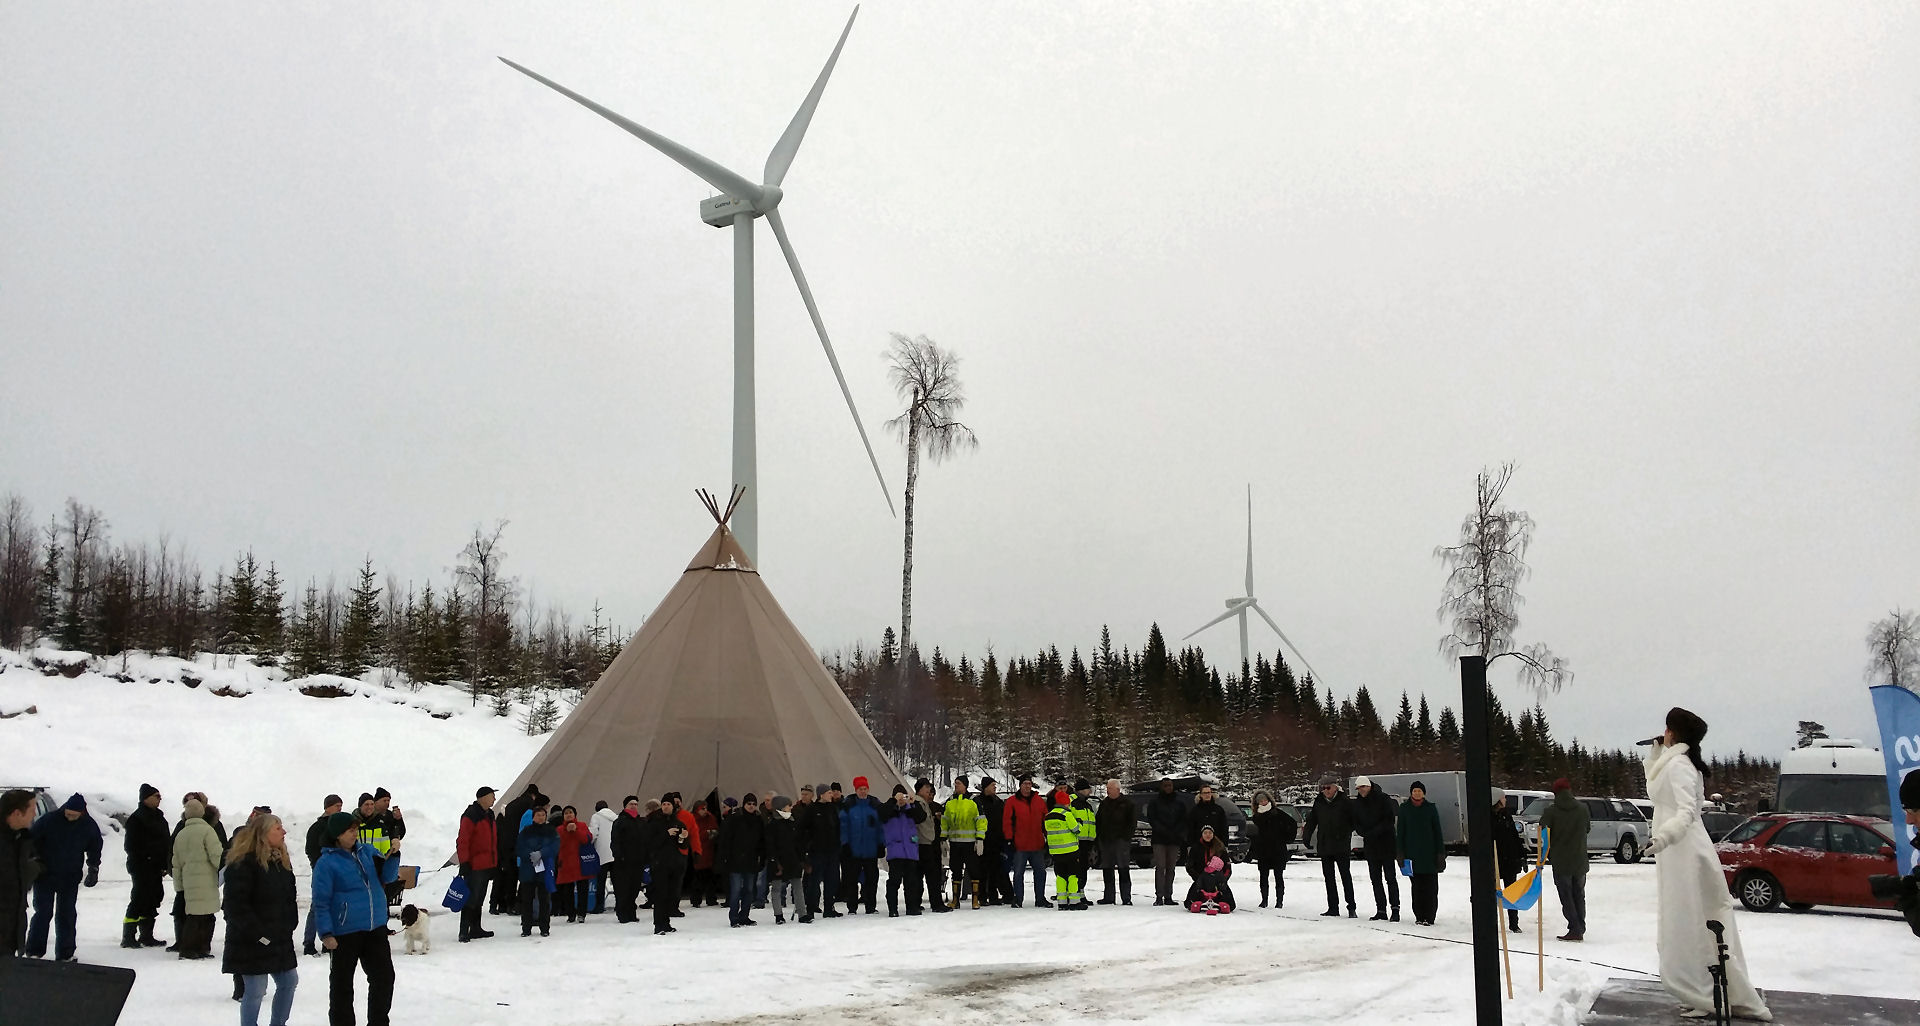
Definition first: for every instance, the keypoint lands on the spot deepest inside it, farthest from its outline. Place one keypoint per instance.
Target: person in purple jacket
(900, 824)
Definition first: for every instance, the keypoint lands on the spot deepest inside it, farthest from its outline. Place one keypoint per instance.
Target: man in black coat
(629, 844)
(1113, 824)
(509, 831)
(317, 842)
(1167, 815)
(818, 816)
(149, 858)
(18, 869)
(69, 844)
(785, 867)
(996, 884)
(742, 854)
(1373, 813)
(1332, 816)
(666, 841)
(1509, 848)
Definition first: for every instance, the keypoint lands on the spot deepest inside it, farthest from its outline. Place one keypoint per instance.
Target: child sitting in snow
(1209, 866)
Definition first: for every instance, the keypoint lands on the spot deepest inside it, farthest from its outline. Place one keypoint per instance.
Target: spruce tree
(47, 602)
(1402, 735)
(270, 618)
(1423, 729)
(362, 633)
(1449, 733)
(243, 604)
(309, 649)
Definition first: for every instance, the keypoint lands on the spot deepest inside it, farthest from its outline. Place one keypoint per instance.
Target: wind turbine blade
(806, 296)
(783, 151)
(1289, 641)
(709, 171)
(1223, 616)
(1249, 541)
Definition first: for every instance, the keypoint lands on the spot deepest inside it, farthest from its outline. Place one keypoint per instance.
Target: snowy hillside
(246, 735)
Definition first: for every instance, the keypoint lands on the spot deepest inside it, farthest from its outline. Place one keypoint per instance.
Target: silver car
(1616, 826)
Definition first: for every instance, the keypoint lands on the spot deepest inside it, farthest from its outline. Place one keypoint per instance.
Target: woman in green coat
(1423, 850)
(197, 855)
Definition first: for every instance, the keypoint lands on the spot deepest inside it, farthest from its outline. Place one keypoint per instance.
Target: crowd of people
(802, 858)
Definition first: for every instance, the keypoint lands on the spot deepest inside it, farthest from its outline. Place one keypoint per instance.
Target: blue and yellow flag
(1525, 891)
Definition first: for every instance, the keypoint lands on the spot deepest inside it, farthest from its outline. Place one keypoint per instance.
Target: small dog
(413, 923)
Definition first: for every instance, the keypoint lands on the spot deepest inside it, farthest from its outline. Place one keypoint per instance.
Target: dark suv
(1185, 788)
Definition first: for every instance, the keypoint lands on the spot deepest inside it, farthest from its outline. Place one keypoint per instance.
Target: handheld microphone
(1648, 741)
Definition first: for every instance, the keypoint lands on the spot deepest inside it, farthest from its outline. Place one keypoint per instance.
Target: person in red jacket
(1022, 821)
(575, 887)
(703, 881)
(478, 849)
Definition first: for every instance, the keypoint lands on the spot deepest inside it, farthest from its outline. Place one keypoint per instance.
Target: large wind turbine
(1237, 607)
(740, 202)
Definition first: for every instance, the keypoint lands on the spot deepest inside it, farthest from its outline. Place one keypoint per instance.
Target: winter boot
(1379, 916)
(178, 935)
(976, 894)
(147, 939)
(128, 937)
(1394, 916)
(239, 988)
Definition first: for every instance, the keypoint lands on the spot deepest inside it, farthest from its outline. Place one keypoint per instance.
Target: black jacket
(783, 848)
(1508, 846)
(743, 843)
(1333, 821)
(1373, 821)
(317, 840)
(1167, 815)
(818, 825)
(1206, 814)
(18, 869)
(666, 853)
(1273, 831)
(1114, 820)
(260, 904)
(148, 845)
(510, 826)
(991, 806)
(628, 839)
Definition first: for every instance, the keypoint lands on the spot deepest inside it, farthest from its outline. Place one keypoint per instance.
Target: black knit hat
(147, 791)
(380, 792)
(986, 782)
(1083, 784)
(899, 789)
(961, 781)
(1416, 786)
(365, 798)
(1910, 790)
(923, 784)
(835, 786)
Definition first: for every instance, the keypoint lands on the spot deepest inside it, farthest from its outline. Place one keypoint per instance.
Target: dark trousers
(572, 898)
(1386, 882)
(626, 890)
(740, 891)
(997, 864)
(664, 893)
(368, 951)
(822, 881)
(1426, 896)
(1165, 858)
(536, 905)
(1116, 856)
(506, 890)
(903, 871)
(599, 903)
(1328, 864)
(149, 887)
(53, 904)
(1573, 900)
(933, 875)
(476, 902)
(962, 865)
(862, 878)
(1507, 877)
(1279, 871)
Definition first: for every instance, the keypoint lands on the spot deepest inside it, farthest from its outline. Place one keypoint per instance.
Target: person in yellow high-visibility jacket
(1062, 826)
(965, 829)
(1083, 808)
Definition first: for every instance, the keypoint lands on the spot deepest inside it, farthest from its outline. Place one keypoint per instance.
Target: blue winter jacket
(860, 826)
(902, 832)
(349, 890)
(543, 838)
(67, 848)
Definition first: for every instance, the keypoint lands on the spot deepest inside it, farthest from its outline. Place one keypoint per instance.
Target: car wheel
(1627, 851)
(1799, 906)
(1758, 891)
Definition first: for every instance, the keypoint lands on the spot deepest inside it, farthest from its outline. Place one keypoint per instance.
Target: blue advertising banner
(1899, 713)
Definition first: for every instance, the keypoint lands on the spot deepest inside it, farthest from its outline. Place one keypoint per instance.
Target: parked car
(1239, 839)
(43, 802)
(1802, 860)
(1617, 827)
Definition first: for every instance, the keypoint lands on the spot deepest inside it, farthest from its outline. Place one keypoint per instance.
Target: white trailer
(1446, 789)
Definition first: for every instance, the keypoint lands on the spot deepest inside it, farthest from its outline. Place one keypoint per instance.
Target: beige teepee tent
(718, 690)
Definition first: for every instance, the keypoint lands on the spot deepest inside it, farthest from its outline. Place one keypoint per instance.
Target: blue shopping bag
(589, 861)
(456, 898)
(1406, 867)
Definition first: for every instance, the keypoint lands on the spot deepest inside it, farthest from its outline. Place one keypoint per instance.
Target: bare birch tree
(1481, 598)
(1894, 642)
(927, 378)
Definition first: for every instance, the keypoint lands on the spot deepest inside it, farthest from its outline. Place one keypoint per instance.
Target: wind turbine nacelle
(1237, 603)
(721, 210)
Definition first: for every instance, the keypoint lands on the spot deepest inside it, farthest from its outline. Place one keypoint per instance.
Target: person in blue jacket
(539, 855)
(69, 841)
(349, 894)
(861, 845)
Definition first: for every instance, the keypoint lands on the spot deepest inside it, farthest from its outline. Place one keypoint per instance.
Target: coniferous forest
(1131, 711)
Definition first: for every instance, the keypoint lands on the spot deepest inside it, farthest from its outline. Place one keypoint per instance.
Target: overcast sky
(330, 282)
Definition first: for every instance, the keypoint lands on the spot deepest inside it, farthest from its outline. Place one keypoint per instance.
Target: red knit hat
(859, 782)
(1563, 784)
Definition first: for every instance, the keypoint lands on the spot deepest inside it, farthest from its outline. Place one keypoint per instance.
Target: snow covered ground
(278, 747)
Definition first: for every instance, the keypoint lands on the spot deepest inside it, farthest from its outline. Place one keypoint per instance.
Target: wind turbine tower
(1237, 607)
(740, 203)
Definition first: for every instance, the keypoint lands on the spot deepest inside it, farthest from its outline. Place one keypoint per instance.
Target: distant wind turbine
(740, 202)
(1237, 607)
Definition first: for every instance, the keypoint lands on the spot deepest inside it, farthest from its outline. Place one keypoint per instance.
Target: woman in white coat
(602, 827)
(1691, 886)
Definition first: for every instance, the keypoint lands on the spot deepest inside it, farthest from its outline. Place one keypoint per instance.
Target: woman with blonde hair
(262, 913)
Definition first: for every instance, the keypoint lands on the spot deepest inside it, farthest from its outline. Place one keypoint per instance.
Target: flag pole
(1499, 900)
(1540, 910)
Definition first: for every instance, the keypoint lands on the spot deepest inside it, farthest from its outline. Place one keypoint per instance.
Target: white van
(1833, 775)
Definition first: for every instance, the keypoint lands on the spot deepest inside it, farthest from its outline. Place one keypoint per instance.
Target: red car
(1802, 860)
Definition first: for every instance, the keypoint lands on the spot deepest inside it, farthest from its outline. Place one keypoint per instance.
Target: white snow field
(275, 746)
